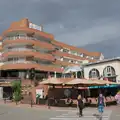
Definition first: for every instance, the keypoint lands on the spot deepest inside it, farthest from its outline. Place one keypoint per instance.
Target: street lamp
(32, 73)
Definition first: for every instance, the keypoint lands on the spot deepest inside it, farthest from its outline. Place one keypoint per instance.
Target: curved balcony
(19, 49)
(28, 31)
(79, 50)
(63, 63)
(70, 56)
(36, 55)
(23, 66)
(26, 41)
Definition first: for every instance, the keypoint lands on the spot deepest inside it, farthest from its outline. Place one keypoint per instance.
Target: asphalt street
(20, 113)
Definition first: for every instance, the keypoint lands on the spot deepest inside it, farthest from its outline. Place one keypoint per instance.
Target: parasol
(83, 82)
(51, 81)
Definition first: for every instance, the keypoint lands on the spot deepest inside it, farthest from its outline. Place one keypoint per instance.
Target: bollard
(5, 100)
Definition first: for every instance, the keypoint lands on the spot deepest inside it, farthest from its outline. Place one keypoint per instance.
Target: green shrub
(16, 86)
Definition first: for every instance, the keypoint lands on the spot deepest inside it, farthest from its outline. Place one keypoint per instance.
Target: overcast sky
(76, 22)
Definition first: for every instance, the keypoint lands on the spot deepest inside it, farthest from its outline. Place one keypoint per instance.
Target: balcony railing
(19, 61)
(9, 79)
(19, 49)
(26, 62)
(20, 37)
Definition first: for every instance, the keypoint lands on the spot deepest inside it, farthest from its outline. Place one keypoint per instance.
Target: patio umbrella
(51, 81)
(83, 82)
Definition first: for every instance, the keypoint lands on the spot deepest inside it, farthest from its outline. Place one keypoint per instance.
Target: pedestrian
(49, 102)
(117, 98)
(101, 104)
(80, 105)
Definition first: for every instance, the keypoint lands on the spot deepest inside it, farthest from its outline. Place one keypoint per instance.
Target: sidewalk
(22, 105)
(46, 107)
(34, 106)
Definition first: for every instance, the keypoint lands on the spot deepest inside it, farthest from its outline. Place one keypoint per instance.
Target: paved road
(21, 113)
(115, 114)
(89, 114)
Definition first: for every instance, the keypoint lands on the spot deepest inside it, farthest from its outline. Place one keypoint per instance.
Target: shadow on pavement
(99, 117)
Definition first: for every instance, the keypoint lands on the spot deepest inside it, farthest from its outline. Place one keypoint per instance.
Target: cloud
(76, 22)
(102, 30)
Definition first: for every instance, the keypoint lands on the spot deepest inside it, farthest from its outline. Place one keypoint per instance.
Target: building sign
(33, 26)
(39, 93)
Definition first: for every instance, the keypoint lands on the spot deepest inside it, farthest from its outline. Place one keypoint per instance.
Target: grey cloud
(78, 21)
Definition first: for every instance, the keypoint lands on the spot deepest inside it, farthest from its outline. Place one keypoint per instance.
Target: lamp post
(31, 75)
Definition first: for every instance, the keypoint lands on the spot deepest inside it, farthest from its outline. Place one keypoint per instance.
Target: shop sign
(33, 26)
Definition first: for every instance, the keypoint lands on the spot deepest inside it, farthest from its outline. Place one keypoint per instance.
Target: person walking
(117, 98)
(80, 105)
(101, 104)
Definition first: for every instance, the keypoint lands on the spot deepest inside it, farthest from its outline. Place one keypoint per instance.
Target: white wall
(100, 67)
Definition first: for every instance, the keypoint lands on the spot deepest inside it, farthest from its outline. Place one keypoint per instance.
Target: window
(10, 59)
(65, 50)
(109, 71)
(94, 73)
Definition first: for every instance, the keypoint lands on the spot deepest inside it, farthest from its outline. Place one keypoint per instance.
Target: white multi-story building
(106, 69)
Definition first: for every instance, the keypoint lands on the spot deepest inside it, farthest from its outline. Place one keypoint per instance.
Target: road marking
(78, 118)
(91, 116)
(65, 110)
(88, 115)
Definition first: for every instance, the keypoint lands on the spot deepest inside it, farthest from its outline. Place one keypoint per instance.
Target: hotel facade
(25, 45)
